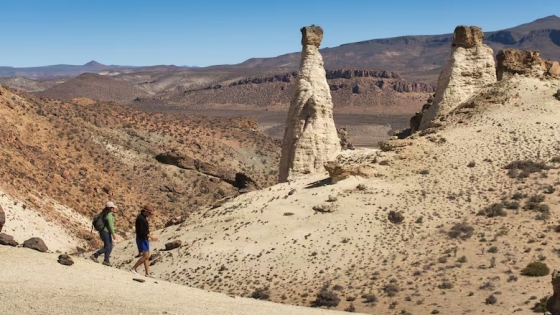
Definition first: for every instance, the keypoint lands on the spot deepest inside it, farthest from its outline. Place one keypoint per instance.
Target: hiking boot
(106, 263)
(94, 258)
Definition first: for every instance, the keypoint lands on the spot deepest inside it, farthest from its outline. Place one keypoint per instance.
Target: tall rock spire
(310, 137)
(469, 67)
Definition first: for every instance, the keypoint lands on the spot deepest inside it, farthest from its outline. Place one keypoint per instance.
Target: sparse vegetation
(536, 269)
(461, 230)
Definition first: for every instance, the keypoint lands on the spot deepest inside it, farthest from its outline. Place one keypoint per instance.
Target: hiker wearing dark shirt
(107, 234)
(143, 238)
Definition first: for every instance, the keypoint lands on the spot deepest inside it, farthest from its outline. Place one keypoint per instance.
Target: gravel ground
(34, 283)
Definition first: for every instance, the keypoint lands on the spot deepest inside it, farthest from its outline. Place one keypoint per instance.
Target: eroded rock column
(310, 137)
(470, 67)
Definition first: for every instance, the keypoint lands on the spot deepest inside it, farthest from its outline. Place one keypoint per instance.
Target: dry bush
(536, 269)
(461, 230)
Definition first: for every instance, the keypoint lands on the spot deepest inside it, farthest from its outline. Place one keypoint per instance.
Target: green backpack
(98, 222)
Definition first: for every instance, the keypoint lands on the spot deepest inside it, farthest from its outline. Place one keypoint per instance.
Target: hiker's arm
(111, 224)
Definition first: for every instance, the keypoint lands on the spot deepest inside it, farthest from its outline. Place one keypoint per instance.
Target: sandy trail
(34, 283)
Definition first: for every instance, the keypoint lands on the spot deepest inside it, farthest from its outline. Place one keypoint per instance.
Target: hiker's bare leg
(140, 261)
(147, 262)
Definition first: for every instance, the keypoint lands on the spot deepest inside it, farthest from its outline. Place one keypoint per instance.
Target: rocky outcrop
(470, 67)
(344, 141)
(553, 302)
(513, 61)
(339, 171)
(2, 218)
(310, 137)
(416, 120)
(554, 69)
(349, 74)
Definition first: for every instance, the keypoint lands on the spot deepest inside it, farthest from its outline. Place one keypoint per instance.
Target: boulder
(173, 245)
(469, 67)
(2, 218)
(513, 61)
(37, 244)
(554, 69)
(338, 171)
(310, 136)
(65, 260)
(7, 240)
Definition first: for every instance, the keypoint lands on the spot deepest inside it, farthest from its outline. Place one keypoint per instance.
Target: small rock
(173, 245)
(65, 260)
(139, 280)
(7, 240)
(37, 244)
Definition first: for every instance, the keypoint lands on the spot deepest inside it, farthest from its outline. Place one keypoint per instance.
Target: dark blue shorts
(143, 245)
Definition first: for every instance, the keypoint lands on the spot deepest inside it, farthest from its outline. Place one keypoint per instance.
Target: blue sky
(202, 33)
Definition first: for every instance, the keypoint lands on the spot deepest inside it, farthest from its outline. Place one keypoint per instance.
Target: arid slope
(444, 179)
(65, 158)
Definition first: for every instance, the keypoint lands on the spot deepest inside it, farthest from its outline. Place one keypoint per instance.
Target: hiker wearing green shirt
(107, 234)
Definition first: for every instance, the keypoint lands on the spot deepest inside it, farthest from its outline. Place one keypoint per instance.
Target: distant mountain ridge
(416, 57)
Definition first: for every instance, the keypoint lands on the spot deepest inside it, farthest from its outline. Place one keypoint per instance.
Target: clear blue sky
(210, 32)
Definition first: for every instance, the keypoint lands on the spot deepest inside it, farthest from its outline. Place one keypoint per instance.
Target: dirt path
(34, 283)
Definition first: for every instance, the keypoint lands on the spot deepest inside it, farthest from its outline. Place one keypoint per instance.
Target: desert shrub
(261, 294)
(369, 298)
(326, 297)
(491, 300)
(337, 287)
(446, 285)
(555, 159)
(537, 198)
(518, 196)
(424, 172)
(549, 189)
(493, 249)
(462, 259)
(350, 309)
(391, 289)
(442, 260)
(493, 210)
(395, 217)
(461, 230)
(526, 168)
(511, 205)
(540, 306)
(536, 269)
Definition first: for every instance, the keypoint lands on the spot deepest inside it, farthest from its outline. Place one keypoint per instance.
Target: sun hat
(110, 204)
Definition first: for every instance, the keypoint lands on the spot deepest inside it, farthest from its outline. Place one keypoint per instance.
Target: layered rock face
(310, 138)
(470, 66)
(513, 61)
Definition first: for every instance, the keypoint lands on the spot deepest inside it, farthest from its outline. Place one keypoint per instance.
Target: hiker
(105, 224)
(143, 239)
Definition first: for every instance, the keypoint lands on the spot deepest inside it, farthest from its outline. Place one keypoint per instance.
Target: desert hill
(450, 221)
(97, 87)
(63, 160)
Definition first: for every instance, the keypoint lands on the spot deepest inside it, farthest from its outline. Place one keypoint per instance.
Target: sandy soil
(23, 223)
(34, 283)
